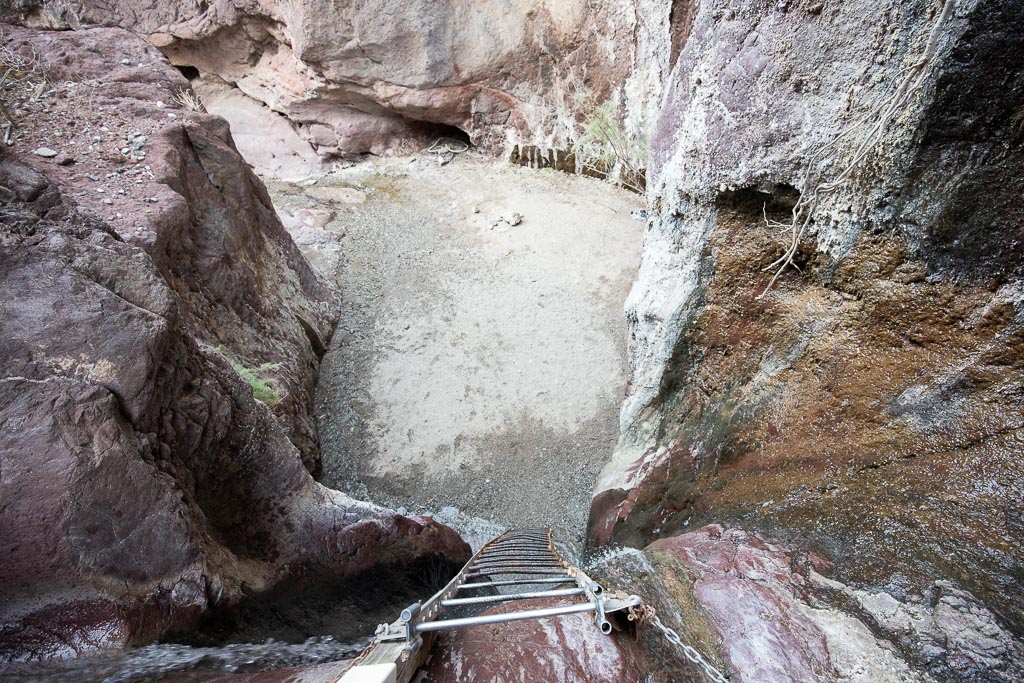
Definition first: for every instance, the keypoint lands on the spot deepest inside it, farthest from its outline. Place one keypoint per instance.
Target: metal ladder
(521, 564)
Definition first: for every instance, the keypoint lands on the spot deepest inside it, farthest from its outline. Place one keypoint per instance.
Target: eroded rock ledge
(353, 78)
(144, 487)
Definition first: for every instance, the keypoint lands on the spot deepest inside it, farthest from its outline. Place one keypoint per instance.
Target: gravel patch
(480, 359)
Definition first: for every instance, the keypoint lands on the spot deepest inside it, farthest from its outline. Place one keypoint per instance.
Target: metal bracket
(615, 603)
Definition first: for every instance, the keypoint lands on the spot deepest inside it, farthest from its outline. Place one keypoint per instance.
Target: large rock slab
(760, 611)
(559, 649)
(145, 488)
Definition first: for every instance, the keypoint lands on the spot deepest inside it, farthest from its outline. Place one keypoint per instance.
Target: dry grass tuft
(189, 100)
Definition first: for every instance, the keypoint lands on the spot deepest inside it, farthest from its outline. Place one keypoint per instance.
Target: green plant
(264, 388)
(603, 145)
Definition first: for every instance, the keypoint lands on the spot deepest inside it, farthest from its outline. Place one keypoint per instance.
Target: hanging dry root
(15, 69)
(872, 127)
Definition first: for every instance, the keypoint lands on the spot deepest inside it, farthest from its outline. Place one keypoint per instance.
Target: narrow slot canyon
(630, 340)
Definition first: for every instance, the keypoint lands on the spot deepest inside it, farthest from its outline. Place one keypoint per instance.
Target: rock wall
(868, 405)
(354, 78)
(758, 611)
(144, 488)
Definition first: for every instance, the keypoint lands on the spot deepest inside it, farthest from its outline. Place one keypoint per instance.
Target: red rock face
(560, 650)
(746, 588)
(143, 486)
(759, 611)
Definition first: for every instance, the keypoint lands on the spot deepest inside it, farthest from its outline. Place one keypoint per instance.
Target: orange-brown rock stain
(860, 407)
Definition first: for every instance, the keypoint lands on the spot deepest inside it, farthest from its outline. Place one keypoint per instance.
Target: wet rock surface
(867, 407)
(315, 660)
(145, 489)
(560, 650)
(759, 611)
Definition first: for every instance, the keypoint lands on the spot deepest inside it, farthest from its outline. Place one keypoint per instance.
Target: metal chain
(709, 670)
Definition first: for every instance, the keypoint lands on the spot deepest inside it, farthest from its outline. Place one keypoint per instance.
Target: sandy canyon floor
(478, 364)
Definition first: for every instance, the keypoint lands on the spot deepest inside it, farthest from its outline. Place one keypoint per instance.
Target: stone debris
(45, 152)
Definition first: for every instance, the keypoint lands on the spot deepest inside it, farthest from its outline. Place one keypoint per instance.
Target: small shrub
(603, 145)
(16, 69)
(264, 388)
(189, 100)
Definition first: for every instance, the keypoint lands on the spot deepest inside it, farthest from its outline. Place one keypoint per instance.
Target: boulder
(760, 611)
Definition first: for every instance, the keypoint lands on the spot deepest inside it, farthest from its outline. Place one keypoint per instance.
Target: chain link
(710, 671)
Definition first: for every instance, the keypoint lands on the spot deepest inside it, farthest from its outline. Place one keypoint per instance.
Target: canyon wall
(867, 404)
(850, 390)
(377, 77)
(144, 487)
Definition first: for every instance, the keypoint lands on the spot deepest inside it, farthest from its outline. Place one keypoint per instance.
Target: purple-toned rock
(559, 649)
(759, 611)
(145, 488)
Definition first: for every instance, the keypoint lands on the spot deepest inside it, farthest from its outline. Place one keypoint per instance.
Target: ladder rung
(515, 582)
(444, 624)
(484, 599)
(509, 568)
(525, 572)
(525, 558)
(519, 551)
(550, 559)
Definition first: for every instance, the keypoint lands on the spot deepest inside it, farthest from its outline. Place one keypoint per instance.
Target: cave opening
(189, 72)
(435, 131)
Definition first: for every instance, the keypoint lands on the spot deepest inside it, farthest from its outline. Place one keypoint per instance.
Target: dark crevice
(314, 339)
(189, 72)
(775, 201)
(347, 609)
(433, 131)
(680, 21)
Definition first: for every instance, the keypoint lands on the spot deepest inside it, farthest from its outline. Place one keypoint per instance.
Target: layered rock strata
(354, 78)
